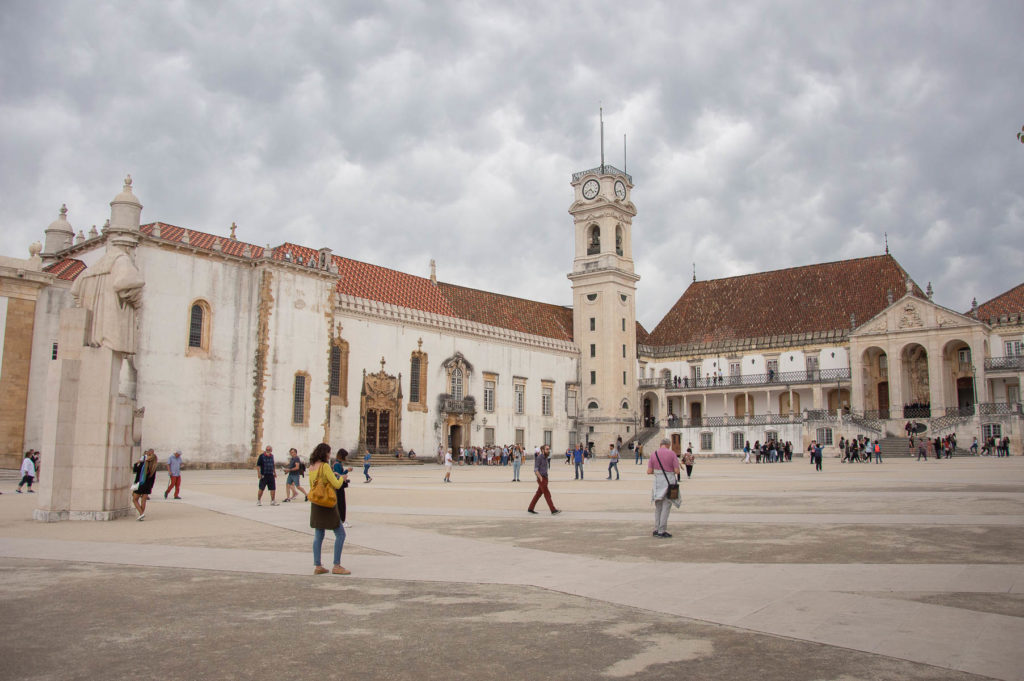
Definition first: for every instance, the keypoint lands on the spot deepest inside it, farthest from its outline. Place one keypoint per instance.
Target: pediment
(911, 313)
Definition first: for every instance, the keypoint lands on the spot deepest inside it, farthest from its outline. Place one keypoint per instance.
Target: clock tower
(604, 304)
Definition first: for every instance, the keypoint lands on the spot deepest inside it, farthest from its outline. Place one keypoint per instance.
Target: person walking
(577, 458)
(878, 452)
(688, 461)
(294, 471)
(174, 470)
(664, 466)
(817, 456)
(28, 473)
(145, 476)
(366, 467)
(339, 469)
(638, 454)
(540, 470)
(517, 462)
(613, 461)
(448, 466)
(922, 450)
(267, 474)
(323, 518)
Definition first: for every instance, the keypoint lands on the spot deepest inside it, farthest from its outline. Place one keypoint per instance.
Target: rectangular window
(593, 350)
(964, 356)
(593, 323)
(547, 437)
(488, 437)
(573, 438)
(489, 396)
(773, 366)
(770, 435)
(520, 437)
(593, 378)
(53, 351)
(1013, 348)
(735, 369)
(520, 398)
(824, 436)
(414, 376)
(623, 378)
(334, 381)
(707, 441)
(992, 430)
(737, 442)
(623, 323)
(570, 403)
(299, 402)
(545, 401)
(623, 350)
(695, 374)
(1013, 394)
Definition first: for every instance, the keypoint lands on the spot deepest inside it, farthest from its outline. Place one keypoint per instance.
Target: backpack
(302, 469)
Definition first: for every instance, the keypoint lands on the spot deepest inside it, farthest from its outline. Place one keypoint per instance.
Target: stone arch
(958, 374)
(874, 380)
(651, 409)
(593, 239)
(785, 408)
(916, 381)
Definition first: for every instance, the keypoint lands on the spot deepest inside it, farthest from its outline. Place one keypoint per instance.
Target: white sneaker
(346, 524)
(142, 516)
(259, 503)
(274, 503)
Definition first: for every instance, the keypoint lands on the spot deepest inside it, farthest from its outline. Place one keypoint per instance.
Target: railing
(603, 170)
(876, 414)
(821, 415)
(917, 412)
(960, 411)
(726, 382)
(1000, 408)
(1011, 363)
(452, 405)
(713, 421)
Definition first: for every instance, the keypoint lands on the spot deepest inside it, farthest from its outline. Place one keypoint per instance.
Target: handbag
(322, 492)
(673, 488)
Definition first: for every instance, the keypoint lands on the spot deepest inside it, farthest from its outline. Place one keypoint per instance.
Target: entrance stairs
(356, 460)
(643, 436)
(896, 447)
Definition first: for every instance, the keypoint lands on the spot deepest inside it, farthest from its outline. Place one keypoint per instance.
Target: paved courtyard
(903, 570)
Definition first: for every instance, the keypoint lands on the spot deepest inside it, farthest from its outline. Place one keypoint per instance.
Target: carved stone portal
(380, 413)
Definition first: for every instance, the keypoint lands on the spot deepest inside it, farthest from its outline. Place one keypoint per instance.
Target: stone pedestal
(88, 433)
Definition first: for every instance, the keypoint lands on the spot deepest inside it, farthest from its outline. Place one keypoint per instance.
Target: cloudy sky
(760, 135)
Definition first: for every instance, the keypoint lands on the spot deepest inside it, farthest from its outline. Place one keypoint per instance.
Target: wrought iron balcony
(1000, 408)
(452, 405)
(603, 170)
(1004, 363)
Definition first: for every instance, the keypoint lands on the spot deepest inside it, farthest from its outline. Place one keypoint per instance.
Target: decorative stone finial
(93, 233)
(928, 291)
(267, 253)
(695, 272)
(156, 230)
(106, 227)
(382, 364)
(80, 237)
(217, 246)
(887, 243)
(184, 237)
(127, 182)
(35, 248)
(233, 228)
(433, 271)
(974, 307)
(910, 285)
(419, 344)
(247, 251)
(888, 296)
(64, 210)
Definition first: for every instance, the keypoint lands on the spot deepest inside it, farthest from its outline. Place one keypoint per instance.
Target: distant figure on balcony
(771, 375)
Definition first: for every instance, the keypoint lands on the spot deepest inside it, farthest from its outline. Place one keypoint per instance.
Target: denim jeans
(579, 471)
(613, 464)
(515, 469)
(318, 542)
(366, 470)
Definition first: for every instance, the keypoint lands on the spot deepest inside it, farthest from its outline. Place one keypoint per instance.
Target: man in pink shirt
(664, 466)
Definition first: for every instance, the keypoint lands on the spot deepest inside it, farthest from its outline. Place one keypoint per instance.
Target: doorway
(455, 438)
(695, 413)
(677, 443)
(965, 393)
(883, 399)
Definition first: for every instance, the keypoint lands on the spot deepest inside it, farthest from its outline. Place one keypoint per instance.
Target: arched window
(456, 383)
(199, 322)
(592, 405)
(418, 380)
(337, 372)
(594, 240)
(618, 240)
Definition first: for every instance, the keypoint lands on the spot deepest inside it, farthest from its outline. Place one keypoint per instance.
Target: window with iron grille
(593, 350)
(593, 378)
(520, 398)
(737, 441)
(456, 383)
(1013, 348)
(520, 437)
(414, 379)
(53, 351)
(547, 437)
(992, 430)
(707, 441)
(545, 401)
(195, 328)
(334, 381)
(593, 323)
(824, 436)
(299, 400)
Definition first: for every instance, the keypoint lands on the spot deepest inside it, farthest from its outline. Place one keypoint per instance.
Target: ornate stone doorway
(380, 413)
(455, 438)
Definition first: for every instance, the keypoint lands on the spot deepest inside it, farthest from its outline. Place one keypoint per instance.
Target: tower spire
(887, 243)
(600, 115)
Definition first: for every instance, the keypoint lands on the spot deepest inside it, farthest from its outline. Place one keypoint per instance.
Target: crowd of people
(771, 451)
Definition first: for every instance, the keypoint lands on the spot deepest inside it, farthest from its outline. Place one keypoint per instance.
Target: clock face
(620, 190)
(590, 189)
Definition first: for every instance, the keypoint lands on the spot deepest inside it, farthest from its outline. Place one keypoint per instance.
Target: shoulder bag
(322, 492)
(673, 488)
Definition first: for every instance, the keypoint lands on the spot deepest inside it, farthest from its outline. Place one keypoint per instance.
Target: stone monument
(92, 427)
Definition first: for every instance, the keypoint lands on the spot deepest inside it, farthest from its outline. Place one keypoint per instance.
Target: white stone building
(242, 345)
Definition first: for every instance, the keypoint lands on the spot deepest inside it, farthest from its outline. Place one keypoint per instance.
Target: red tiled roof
(202, 239)
(1009, 303)
(783, 302)
(67, 269)
(641, 334)
(518, 314)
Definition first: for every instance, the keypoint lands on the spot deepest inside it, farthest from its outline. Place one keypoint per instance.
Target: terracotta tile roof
(1009, 303)
(67, 269)
(518, 314)
(797, 300)
(202, 240)
(641, 334)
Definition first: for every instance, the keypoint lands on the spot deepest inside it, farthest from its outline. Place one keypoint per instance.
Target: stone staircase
(642, 436)
(896, 447)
